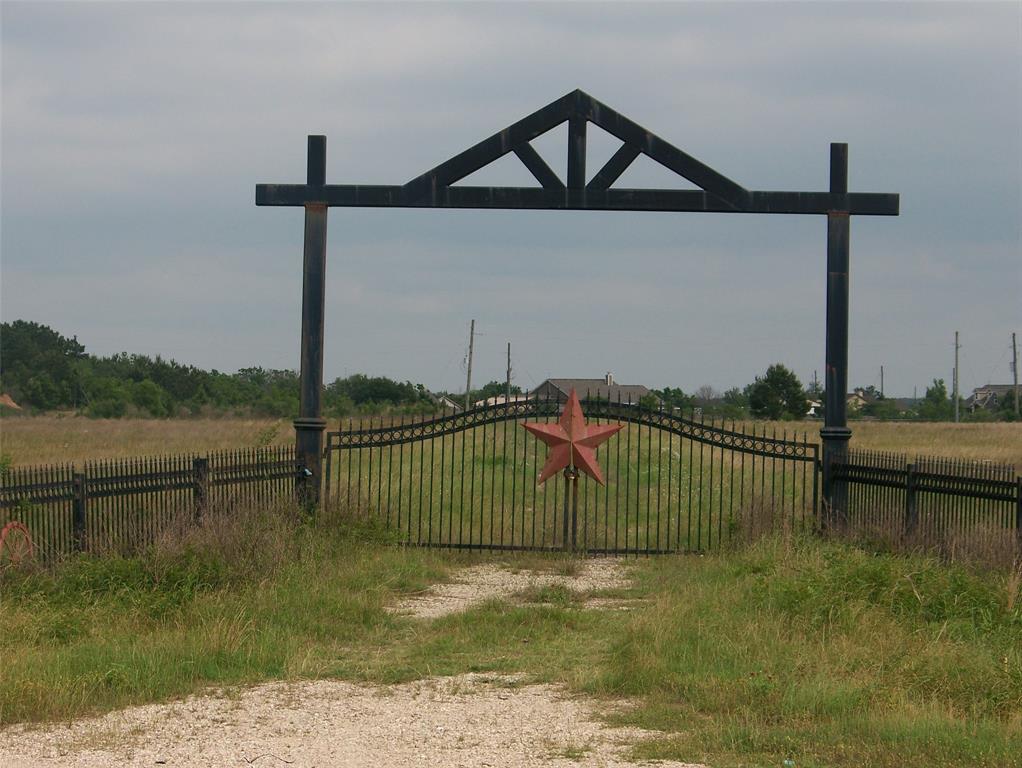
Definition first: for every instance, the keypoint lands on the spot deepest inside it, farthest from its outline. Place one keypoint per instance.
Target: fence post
(1018, 512)
(911, 509)
(200, 488)
(80, 487)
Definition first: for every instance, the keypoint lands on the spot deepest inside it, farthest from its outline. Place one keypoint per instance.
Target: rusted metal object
(572, 442)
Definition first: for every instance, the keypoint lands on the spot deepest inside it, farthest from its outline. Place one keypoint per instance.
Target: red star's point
(572, 442)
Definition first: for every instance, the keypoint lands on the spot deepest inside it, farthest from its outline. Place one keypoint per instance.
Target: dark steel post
(310, 423)
(835, 432)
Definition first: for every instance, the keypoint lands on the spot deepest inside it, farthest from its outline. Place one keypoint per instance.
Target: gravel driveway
(468, 720)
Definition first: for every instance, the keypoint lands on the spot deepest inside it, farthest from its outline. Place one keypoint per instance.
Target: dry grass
(59, 439)
(997, 441)
(64, 439)
(983, 545)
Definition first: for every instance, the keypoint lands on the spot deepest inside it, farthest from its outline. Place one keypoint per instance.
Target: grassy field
(786, 649)
(54, 439)
(63, 439)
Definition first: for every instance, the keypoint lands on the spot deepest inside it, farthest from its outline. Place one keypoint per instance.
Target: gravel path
(468, 720)
(487, 581)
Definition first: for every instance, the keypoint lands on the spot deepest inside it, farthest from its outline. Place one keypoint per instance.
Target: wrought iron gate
(674, 484)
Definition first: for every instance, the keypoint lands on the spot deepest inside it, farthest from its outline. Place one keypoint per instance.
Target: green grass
(809, 651)
(101, 633)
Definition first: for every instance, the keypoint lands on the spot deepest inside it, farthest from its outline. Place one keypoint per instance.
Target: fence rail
(123, 504)
(929, 499)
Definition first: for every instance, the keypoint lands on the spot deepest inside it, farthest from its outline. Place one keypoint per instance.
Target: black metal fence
(469, 480)
(929, 500)
(122, 504)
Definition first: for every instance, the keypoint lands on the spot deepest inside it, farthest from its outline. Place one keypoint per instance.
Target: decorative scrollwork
(701, 432)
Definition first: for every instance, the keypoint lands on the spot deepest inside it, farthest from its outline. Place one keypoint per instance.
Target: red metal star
(572, 442)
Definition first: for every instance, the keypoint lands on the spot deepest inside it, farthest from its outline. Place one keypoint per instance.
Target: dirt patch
(469, 720)
(489, 581)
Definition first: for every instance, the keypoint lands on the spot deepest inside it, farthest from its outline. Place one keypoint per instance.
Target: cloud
(133, 136)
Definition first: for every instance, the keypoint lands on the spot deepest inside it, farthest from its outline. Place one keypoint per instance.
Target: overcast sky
(133, 136)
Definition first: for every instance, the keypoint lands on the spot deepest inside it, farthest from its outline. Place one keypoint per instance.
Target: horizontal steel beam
(536, 198)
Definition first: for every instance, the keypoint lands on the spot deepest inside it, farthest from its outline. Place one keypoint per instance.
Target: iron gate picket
(467, 480)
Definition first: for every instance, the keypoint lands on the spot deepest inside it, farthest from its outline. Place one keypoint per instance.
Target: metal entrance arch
(716, 193)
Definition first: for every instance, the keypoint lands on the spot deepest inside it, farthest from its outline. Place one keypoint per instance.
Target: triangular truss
(576, 108)
(436, 188)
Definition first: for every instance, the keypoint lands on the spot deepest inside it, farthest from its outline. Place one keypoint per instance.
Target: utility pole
(881, 382)
(955, 394)
(1014, 368)
(507, 398)
(468, 380)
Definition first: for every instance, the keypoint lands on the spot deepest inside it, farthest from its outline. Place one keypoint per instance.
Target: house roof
(994, 389)
(598, 388)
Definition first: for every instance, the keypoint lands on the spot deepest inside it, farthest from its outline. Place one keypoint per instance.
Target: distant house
(603, 389)
(989, 397)
(814, 409)
(858, 398)
(500, 400)
(445, 402)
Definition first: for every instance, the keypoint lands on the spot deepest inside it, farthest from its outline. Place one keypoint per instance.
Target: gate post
(310, 423)
(835, 432)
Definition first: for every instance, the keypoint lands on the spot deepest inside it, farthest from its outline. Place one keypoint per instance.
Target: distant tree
(1006, 407)
(39, 368)
(705, 394)
(736, 397)
(936, 405)
(881, 408)
(777, 394)
(733, 404)
(650, 401)
(673, 398)
(151, 398)
(364, 389)
(497, 389)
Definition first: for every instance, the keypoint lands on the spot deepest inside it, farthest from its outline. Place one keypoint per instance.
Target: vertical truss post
(576, 152)
(835, 432)
(310, 424)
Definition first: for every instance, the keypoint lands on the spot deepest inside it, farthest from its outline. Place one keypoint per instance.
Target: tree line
(45, 371)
